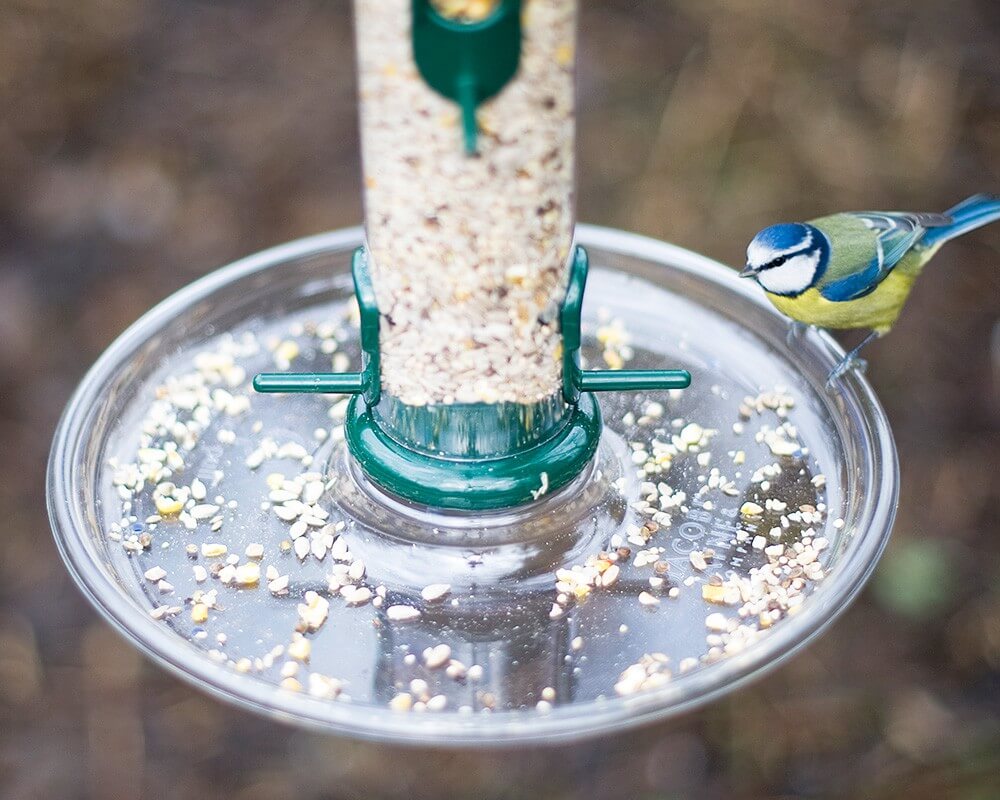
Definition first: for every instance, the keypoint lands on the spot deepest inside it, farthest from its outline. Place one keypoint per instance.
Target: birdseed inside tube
(469, 255)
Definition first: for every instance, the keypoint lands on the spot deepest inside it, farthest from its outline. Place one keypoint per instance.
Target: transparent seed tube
(469, 254)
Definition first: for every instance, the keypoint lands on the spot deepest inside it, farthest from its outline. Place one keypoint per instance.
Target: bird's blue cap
(785, 236)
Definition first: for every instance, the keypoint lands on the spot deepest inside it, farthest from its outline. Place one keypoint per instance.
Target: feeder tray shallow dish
(551, 662)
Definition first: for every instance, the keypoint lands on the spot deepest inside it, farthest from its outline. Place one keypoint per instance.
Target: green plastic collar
(479, 484)
(473, 456)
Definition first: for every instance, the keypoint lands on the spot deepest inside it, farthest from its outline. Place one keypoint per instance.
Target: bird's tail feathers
(971, 213)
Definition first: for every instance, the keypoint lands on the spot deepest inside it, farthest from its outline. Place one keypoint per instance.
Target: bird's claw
(849, 362)
(796, 330)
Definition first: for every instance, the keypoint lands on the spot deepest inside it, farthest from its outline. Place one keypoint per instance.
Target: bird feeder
(474, 474)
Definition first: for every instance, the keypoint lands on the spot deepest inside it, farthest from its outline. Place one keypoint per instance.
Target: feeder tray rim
(75, 539)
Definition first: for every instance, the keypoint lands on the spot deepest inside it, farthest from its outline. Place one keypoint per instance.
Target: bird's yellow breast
(877, 310)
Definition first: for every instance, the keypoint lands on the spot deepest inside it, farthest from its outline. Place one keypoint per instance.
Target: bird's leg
(796, 330)
(851, 360)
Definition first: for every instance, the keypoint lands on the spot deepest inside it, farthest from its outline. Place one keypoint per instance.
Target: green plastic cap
(467, 62)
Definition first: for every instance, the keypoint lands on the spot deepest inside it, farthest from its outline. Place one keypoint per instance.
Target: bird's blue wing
(895, 234)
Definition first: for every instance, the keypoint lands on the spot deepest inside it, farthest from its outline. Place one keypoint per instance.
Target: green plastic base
(474, 484)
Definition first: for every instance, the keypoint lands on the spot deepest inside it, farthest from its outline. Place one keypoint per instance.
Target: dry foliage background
(144, 142)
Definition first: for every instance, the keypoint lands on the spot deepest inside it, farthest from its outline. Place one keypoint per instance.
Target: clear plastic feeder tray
(680, 311)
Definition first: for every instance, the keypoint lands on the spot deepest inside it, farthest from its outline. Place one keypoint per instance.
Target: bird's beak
(748, 271)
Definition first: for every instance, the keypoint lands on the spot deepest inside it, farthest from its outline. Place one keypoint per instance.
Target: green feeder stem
(616, 380)
(311, 382)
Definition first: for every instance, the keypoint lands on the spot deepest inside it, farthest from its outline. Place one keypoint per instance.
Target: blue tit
(855, 269)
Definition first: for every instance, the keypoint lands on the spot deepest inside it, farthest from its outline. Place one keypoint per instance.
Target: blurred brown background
(144, 142)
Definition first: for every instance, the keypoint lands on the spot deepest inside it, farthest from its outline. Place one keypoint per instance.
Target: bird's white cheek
(792, 277)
